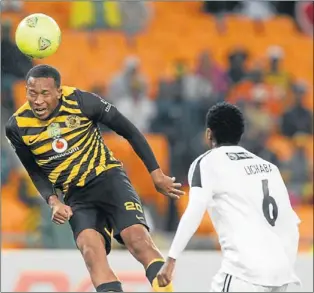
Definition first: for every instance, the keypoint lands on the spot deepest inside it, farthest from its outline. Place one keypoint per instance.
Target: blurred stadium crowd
(163, 65)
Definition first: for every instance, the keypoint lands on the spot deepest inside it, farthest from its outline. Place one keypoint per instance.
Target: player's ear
(59, 90)
(208, 134)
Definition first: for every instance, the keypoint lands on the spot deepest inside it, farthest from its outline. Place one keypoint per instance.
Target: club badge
(72, 121)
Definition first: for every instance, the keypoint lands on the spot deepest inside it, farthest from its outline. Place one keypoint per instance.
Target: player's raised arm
(99, 110)
(40, 180)
(199, 196)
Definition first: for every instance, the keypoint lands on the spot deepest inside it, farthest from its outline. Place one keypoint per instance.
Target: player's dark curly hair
(226, 123)
(46, 71)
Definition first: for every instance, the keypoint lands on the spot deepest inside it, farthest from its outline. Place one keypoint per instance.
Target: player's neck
(217, 145)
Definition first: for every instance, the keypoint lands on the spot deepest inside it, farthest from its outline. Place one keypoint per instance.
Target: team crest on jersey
(59, 145)
(73, 121)
(54, 130)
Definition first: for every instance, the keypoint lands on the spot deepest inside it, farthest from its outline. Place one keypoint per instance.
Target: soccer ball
(38, 36)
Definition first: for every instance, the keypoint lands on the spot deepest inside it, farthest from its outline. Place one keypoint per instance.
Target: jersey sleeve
(101, 111)
(201, 176)
(199, 197)
(40, 180)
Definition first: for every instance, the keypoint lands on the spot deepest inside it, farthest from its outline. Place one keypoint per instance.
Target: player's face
(43, 96)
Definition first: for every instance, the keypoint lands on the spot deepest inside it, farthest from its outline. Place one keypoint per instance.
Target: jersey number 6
(269, 202)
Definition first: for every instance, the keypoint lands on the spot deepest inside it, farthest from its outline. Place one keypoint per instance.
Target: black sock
(153, 269)
(110, 287)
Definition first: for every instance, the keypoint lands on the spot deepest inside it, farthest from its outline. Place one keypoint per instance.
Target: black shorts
(107, 204)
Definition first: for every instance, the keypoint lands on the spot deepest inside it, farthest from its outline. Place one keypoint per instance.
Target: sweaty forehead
(40, 83)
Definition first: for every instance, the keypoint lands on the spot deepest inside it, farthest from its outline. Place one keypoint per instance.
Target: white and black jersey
(250, 209)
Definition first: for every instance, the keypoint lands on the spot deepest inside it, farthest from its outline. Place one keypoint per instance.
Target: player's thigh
(126, 206)
(91, 229)
(223, 282)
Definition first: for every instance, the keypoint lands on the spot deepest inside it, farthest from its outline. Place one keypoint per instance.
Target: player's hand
(165, 274)
(166, 185)
(60, 212)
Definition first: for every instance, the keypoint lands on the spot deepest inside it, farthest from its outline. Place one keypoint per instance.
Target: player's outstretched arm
(103, 112)
(40, 180)
(199, 197)
(189, 223)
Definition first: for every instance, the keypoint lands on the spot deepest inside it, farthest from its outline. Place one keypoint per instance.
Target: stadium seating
(178, 30)
(171, 35)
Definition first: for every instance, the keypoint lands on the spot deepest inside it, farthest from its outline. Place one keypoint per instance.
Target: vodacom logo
(59, 145)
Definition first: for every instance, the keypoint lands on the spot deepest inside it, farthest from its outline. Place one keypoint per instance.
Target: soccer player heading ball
(56, 137)
(249, 206)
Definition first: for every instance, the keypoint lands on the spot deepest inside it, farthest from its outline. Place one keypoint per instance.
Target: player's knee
(89, 253)
(137, 239)
(90, 248)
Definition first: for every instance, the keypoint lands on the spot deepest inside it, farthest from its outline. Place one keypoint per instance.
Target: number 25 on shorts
(132, 206)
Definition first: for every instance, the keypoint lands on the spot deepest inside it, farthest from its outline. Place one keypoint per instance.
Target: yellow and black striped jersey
(67, 149)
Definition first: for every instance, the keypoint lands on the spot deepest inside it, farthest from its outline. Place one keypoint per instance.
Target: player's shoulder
(82, 96)
(270, 164)
(69, 91)
(75, 97)
(25, 111)
(22, 111)
(11, 125)
(196, 164)
(200, 158)
(71, 95)
(261, 160)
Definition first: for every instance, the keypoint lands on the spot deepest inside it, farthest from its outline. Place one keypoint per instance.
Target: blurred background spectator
(178, 59)
(297, 118)
(14, 66)
(122, 85)
(10, 5)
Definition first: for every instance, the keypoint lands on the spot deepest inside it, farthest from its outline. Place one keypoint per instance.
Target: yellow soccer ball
(38, 36)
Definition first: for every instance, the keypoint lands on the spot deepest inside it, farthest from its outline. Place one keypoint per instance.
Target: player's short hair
(46, 71)
(226, 123)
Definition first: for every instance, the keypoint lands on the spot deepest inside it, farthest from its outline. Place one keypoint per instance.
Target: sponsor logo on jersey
(31, 140)
(69, 152)
(59, 145)
(108, 105)
(139, 217)
(239, 156)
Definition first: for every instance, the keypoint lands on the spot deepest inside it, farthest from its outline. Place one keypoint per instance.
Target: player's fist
(165, 274)
(166, 185)
(60, 212)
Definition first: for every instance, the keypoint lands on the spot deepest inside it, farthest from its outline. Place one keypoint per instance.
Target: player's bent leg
(139, 242)
(130, 227)
(92, 247)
